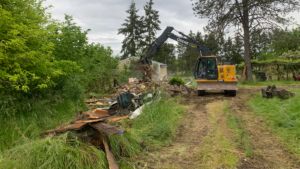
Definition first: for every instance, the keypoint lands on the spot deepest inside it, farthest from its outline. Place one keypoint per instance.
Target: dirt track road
(204, 139)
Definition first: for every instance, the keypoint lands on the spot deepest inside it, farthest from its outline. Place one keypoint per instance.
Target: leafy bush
(176, 80)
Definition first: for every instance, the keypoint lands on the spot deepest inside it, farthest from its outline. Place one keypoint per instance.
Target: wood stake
(244, 73)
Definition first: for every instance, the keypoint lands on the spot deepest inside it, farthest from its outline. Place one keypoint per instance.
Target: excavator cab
(206, 68)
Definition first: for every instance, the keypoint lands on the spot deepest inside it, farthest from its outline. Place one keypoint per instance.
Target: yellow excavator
(208, 73)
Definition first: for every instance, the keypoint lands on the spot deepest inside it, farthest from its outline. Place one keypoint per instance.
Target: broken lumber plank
(116, 119)
(88, 121)
(94, 116)
(110, 157)
(99, 111)
(65, 128)
(108, 129)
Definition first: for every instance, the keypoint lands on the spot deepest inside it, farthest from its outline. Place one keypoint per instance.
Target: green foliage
(98, 64)
(133, 28)
(26, 115)
(176, 80)
(235, 123)
(291, 55)
(100, 68)
(155, 127)
(70, 42)
(274, 61)
(282, 117)
(25, 49)
(285, 40)
(53, 153)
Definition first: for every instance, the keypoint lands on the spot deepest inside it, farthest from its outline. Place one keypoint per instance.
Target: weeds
(242, 136)
(53, 153)
(176, 80)
(154, 128)
(23, 118)
(282, 117)
(215, 149)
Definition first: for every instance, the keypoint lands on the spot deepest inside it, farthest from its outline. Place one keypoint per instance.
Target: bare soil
(268, 152)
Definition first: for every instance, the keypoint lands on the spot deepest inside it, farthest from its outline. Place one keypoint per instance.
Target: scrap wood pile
(127, 102)
(91, 128)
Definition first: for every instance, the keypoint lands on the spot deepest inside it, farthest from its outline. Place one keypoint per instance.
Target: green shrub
(176, 80)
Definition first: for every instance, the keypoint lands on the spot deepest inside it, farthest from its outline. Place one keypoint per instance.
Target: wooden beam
(244, 73)
(110, 157)
(117, 119)
(88, 121)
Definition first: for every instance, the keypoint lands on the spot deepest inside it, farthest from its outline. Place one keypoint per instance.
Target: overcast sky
(105, 17)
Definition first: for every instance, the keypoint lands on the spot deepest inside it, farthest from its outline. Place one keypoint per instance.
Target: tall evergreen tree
(133, 28)
(151, 22)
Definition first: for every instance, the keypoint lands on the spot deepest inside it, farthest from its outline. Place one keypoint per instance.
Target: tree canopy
(25, 48)
(244, 16)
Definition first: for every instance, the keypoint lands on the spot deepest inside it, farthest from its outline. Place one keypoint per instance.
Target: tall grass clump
(53, 153)
(154, 128)
(282, 117)
(24, 115)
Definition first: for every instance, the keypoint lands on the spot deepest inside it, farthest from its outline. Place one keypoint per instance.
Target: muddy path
(204, 139)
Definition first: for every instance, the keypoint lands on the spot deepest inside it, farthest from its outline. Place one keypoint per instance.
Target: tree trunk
(247, 41)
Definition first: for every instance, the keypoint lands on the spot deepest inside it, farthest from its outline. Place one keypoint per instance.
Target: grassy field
(282, 117)
(246, 83)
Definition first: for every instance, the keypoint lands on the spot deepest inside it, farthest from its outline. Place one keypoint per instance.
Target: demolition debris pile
(128, 101)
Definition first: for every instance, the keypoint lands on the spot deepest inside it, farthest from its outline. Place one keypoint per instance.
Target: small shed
(159, 68)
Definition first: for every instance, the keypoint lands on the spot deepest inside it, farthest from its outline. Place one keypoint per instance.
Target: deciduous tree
(244, 16)
(25, 47)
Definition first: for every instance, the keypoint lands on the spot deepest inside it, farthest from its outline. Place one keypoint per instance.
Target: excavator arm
(155, 46)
